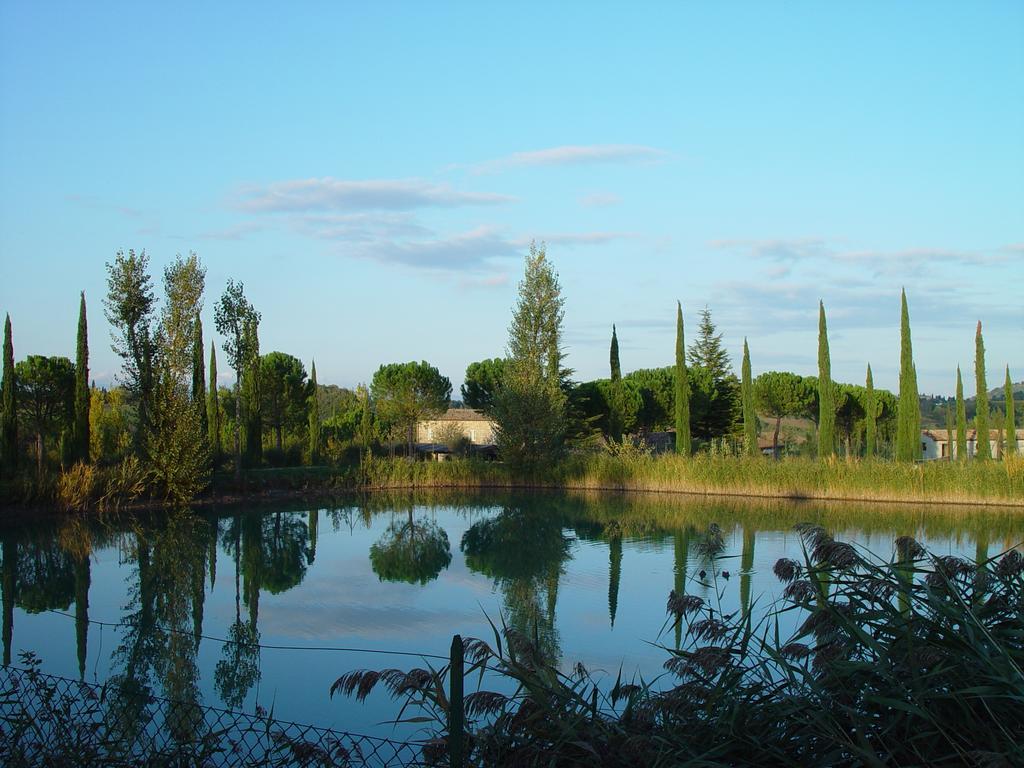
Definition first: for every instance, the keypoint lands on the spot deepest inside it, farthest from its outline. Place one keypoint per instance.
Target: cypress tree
(9, 403)
(826, 392)
(950, 430)
(908, 430)
(1011, 427)
(961, 419)
(682, 389)
(615, 417)
(982, 450)
(199, 376)
(749, 414)
(314, 419)
(213, 410)
(870, 414)
(81, 427)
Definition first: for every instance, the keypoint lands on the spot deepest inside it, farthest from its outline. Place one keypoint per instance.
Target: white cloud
(600, 200)
(328, 194)
(795, 249)
(233, 232)
(575, 155)
(576, 238)
(463, 251)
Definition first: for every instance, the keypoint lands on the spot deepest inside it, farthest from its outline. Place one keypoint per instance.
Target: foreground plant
(916, 660)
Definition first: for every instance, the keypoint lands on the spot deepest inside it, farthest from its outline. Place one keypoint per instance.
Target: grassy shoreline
(988, 483)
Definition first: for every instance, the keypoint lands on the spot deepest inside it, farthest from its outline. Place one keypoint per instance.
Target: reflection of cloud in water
(331, 624)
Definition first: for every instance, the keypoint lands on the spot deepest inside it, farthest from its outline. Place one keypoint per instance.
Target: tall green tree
(284, 394)
(961, 419)
(199, 377)
(81, 433)
(46, 387)
(870, 416)
(656, 390)
(1010, 427)
(615, 415)
(313, 414)
(252, 398)
(682, 389)
(9, 404)
(982, 449)
(232, 316)
(177, 453)
(482, 380)
(908, 426)
(749, 412)
(130, 308)
(714, 392)
(826, 391)
(407, 393)
(529, 410)
(213, 410)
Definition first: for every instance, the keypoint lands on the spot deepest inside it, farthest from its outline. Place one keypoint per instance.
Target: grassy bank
(993, 482)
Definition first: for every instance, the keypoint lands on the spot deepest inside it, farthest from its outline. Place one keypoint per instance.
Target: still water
(151, 601)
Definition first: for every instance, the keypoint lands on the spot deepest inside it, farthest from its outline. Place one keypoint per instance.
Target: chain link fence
(48, 720)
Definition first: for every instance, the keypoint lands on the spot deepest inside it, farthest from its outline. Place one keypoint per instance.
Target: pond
(152, 600)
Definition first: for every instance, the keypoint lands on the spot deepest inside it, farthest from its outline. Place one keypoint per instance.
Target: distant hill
(933, 407)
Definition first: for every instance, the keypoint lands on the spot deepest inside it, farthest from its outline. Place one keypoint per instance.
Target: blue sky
(375, 172)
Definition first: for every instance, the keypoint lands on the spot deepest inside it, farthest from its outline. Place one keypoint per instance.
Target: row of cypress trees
(908, 431)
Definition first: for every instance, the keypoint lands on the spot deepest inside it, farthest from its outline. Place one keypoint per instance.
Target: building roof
(460, 414)
(941, 434)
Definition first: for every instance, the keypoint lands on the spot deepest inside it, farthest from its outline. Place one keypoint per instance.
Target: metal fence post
(456, 716)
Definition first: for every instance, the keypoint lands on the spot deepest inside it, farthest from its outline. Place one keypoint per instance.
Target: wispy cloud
(587, 154)
(464, 251)
(361, 227)
(600, 200)
(233, 232)
(576, 238)
(329, 194)
(795, 249)
(487, 281)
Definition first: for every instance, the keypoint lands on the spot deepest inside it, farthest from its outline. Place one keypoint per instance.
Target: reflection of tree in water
(159, 644)
(271, 552)
(524, 554)
(414, 551)
(45, 575)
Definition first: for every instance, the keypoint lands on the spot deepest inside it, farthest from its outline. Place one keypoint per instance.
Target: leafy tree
(129, 308)
(365, 432)
(199, 378)
(81, 434)
(827, 405)
(778, 394)
(682, 389)
(45, 398)
(284, 393)
(178, 455)
(1010, 427)
(232, 315)
(749, 412)
(850, 411)
(109, 433)
(407, 393)
(314, 420)
(961, 419)
(656, 388)
(412, 551)
(252, 386)
(982, 449)
(9, 404)
(599, 402)
(714, 399)
(482, 380)
(908, 434)
(213, 410)
(529, 410)
(616, 417)
(870, 416)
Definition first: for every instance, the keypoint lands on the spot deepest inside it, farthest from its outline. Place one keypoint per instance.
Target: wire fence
(49, 720)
